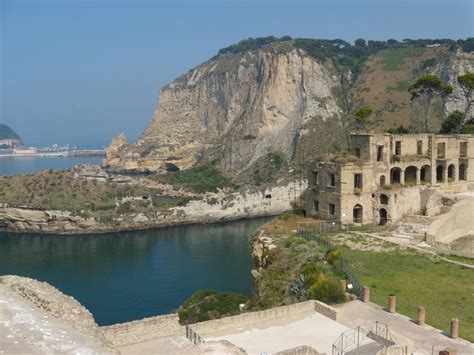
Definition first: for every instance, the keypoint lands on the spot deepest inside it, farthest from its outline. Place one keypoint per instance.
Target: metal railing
(375, 335)
(192, 336)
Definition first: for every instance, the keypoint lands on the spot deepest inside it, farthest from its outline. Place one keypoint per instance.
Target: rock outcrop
(211, 208)
(237, 107)
(39, 319)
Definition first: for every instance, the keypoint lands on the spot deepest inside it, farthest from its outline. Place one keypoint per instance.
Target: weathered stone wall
(250, 318)
(455, 224)
(143, 330)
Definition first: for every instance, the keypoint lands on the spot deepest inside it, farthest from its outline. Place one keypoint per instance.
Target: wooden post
(366, 295)
(454, 328)
(421, 316)
(392, 304)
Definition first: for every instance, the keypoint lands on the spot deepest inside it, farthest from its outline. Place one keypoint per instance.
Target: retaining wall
(251, 318)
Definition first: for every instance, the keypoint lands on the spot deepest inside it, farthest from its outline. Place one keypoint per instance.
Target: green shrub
(209, 304)
(332, 255)
(199, 179)
(326, 290)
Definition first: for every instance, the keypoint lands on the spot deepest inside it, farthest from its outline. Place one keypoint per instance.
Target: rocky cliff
(236, 107)
(240, 105)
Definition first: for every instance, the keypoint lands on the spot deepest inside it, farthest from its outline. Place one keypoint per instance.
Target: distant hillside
(6, 132)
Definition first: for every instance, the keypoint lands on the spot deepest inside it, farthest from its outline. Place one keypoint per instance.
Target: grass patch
(444, 289)
(394, 59)
(203, 178)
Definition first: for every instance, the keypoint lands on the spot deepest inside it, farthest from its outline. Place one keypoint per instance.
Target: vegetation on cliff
(210, 304)
(205, 177)
(62, 190)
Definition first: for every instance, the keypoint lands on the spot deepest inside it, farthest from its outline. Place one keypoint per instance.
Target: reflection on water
(26, 165)
(131, 275)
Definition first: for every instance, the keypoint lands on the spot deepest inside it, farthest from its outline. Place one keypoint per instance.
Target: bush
(326, 290)
(209, 304)
(199, 179)
(332, 255)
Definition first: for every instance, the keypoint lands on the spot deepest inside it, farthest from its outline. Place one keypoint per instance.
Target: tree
(466, 82)
(426, 88)
(453, 123)
(360, 42)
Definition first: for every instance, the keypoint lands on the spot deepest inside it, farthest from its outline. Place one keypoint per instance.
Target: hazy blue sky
(80, 72)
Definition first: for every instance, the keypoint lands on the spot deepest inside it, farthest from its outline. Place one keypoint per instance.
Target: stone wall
(455, 224)
(251, 318)
(143, 330)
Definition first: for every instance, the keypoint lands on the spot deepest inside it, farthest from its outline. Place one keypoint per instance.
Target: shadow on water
(130, 275)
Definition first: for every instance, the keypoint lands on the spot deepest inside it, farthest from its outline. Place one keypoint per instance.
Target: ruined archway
(410, 175)
(383, 216)
(395, 174)
(451, 172)
(439, 173)
(462, 172)
(425, 173)
(383, 199)
(357, 214)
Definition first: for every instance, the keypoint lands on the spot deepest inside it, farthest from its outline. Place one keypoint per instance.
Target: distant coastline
(27, 153)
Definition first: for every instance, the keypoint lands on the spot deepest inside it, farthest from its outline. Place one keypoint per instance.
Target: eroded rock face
(235, 107)
(50, 310)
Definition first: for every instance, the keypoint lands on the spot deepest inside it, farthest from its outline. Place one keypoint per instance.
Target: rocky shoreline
(212, 208)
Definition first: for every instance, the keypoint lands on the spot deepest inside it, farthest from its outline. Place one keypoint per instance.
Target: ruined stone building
(386, 176)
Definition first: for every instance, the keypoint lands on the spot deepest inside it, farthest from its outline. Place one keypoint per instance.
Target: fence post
(366, 295)
(454, 328)
(421, 316)
(392, 303)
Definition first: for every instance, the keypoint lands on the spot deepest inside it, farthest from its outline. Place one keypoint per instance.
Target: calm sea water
(25, 165)
(130, 275)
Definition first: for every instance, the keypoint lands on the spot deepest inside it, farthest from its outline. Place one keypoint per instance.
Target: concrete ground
(422, 340)
(314, 330)
(26, 329)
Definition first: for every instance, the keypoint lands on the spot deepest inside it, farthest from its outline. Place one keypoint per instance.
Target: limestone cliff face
(449, 69)
(236, 107)
(239, 107)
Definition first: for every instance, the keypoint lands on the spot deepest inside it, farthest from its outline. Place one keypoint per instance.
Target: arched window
(395, 175)
(410, 175)
(383, 199)
(357, 214)
(451, 172)
(382, 181)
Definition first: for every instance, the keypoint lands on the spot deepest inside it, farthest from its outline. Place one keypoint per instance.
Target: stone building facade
(385, 176)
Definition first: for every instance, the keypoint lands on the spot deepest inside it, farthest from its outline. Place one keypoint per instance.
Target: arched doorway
(410, 175)
(383, 216)
(395, 175)
(439, 173)
(382, 181)
(425, 174)
(383, 199)
(451, 172)
(357, 214)
(462, 172)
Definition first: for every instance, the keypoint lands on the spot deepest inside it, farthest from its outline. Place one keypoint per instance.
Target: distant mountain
(8, 137)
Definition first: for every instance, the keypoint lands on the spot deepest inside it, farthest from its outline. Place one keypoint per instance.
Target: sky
(80, 72)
